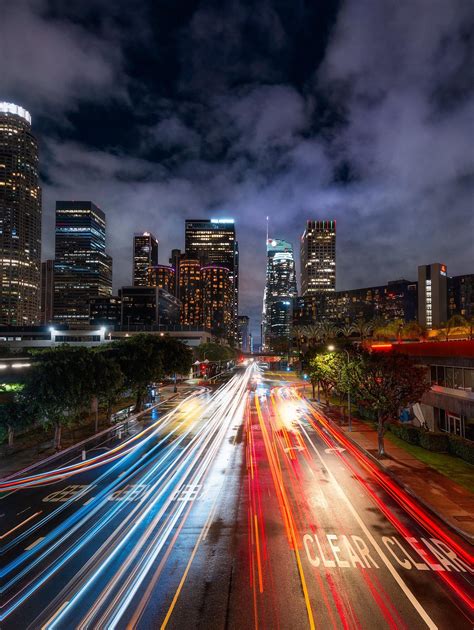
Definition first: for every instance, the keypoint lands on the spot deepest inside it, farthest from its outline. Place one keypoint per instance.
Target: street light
(331, 348)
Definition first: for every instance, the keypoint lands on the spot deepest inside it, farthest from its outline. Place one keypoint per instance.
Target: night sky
(358, 110)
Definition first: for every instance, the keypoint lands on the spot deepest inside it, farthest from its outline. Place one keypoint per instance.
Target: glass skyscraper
(145, 255)
(20, 219)
(280, 289)
(213, 242)
(82, 269)
(318, 258)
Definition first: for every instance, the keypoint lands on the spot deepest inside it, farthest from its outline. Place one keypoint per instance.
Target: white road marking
(414, 601)
(89, 501)
(336, 449)
(25, 510)
(33, 544)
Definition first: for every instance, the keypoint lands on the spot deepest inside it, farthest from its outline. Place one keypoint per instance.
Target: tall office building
(190, 292)
(20, 219)
(217, 300)
(82, 269)
(145, 254)
(162, 276)
(432, 295)
(318, 258)
(174, 262)
(47, 291)
(243, 322)
(213, 242)
(280, 289)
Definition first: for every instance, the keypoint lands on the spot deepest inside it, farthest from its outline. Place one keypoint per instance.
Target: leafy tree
(58, 387)
(214, 352)
(325, 371)
(455, 321)
(414, 330)
(13, 416)
(385, 383)
(107, 380)
(390, 330)
(178, 356)
(363, 328)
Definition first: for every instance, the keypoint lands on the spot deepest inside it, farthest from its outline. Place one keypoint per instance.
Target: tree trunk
(380, 436)
(11, 435)
(314, 391)
(109, 412)
(57, 436)
(139, 401)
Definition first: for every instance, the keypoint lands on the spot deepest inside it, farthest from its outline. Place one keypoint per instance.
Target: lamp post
(331, 348)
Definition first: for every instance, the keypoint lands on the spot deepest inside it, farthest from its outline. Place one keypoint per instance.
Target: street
(238, 508)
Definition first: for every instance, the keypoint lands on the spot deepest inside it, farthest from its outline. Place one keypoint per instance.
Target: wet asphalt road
(242, 511)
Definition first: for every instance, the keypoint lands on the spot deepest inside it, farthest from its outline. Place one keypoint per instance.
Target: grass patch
(454, 468)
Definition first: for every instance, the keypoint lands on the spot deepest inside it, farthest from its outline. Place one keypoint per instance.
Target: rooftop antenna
(267, 229)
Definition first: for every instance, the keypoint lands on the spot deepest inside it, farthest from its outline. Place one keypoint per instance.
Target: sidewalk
(28, 455)
(451, 502)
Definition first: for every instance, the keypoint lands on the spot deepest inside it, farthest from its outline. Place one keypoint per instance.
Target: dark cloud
(358, 111)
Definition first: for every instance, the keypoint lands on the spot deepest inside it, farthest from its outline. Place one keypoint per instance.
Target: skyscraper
(280, 289)
(145, 254)
(217, 299)
(162, 276)
(190, 292)
(174, 262)
(82, 269)
(244, 333)
(318, 258)
(20, 219)
(432, 295)
(47, 291)
(213, 242)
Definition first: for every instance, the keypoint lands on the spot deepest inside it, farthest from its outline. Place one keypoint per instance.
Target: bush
(436, 442)
(406, 432)
(460, 447)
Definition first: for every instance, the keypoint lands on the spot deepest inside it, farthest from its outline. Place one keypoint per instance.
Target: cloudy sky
(161, 110)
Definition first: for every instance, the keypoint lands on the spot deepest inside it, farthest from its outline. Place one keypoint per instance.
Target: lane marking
(48, 623)
(411, 597)
(25, 510)
(33, 544)
(89, 501)
(20, 525)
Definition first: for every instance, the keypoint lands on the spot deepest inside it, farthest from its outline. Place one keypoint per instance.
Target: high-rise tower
(145, 255)
(217, 297)
(318, 258)
(280, 289)
(82, 269)
(213, 242)
(20, 219)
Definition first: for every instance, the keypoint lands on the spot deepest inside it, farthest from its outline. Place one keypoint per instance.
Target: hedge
(406, 432)
(436, 442)
(460, 447)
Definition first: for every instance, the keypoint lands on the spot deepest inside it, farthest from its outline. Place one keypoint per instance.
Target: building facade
(174, 262)
(82, 269)
(217, 300)
(461, 296)
(243, 323)
(213, 242)
(432, 295)
(47, 291)
(145, 255)
(105, 311)
(280, 289)
(162, 276)
(318, 258)
(148, 308)
(20, 219)
(190, 292)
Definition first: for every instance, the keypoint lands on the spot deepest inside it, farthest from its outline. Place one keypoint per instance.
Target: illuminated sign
(11, 108)
(222, 220)
(443, 270)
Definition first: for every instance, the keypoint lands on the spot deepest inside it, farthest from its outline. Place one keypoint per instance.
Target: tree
(362, 328)
(58, 387)
(390, 330)
(325, 371)
(214, 352)
(178, 357)
(107, 381)
(346, 330)
(385, 383)
(455, 321)
(413, 330)
(13, 416)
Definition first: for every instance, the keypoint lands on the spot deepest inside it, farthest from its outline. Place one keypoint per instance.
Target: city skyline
(172, 126)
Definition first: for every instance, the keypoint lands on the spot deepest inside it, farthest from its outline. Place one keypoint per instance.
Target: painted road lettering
(61, 496)
(351, 551)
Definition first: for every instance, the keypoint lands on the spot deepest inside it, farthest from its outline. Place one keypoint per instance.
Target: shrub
(460, 447)
(406, 432)
(436, 442)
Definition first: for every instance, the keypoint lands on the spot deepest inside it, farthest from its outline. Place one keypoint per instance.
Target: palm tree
(362, 328)
(346, 330)
(327, 331)
(455, 321)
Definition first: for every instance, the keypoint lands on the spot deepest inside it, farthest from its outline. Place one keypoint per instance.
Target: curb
(469, 538)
